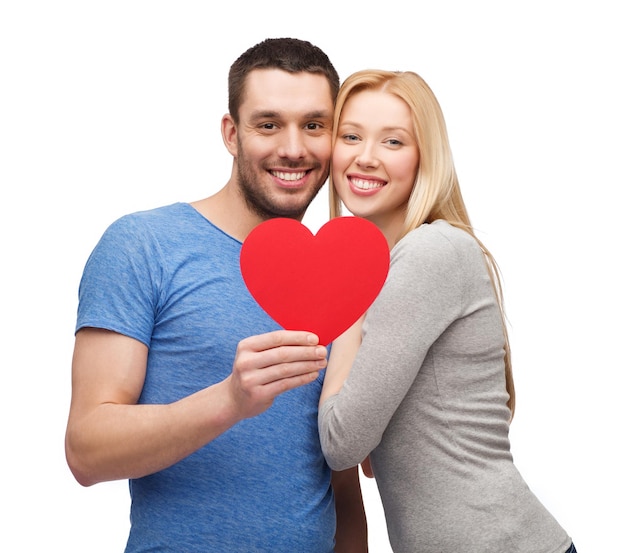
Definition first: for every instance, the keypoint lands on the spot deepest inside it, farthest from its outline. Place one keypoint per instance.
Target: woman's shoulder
(440, 243)
(438, 233)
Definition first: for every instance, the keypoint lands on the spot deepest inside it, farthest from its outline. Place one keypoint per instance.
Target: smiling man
(181, 383)
(280, 143)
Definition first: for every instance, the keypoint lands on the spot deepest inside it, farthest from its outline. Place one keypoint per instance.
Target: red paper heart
(320, 283)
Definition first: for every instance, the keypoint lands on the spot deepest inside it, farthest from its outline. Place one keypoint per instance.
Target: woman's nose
(367, 158)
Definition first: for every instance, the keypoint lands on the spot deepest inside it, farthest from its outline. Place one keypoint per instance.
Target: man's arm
(110, 437)
(351, 535)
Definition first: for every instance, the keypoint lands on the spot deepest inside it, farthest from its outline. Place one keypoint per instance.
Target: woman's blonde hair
(436, 193)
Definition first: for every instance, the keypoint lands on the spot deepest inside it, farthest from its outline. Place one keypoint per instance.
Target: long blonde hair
(436, 193)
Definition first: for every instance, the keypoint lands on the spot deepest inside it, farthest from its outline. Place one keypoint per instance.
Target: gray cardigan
(426, 397)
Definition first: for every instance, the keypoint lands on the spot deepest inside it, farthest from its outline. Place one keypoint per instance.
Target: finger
(274, 372)
(278, 356)
(278, 338)
(282, 371)
(280, 386)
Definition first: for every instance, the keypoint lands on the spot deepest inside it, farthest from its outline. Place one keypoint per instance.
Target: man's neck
(227, 210)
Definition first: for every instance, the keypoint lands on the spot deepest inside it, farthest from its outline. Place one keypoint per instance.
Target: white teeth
(289, 176)
(363, 184)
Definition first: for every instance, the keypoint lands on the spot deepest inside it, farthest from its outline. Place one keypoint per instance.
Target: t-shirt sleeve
(423, 294)
(119, 289)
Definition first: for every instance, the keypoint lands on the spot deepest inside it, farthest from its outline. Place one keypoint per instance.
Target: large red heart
(321, 283)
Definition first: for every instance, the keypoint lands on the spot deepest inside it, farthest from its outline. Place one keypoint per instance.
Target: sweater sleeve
(423, 295)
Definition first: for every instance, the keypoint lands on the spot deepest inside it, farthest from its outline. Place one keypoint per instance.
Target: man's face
(283, 141)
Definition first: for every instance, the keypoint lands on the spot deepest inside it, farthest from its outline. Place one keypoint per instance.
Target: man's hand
(111, 437)
(269, 364)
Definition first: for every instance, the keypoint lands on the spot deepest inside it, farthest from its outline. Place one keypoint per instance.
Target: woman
(429, 395)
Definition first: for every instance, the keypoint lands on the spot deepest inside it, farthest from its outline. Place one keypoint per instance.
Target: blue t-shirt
(170, 279)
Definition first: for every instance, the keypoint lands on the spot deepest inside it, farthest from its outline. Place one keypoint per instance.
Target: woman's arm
(340, 360)
(342, 355)
(423, 294)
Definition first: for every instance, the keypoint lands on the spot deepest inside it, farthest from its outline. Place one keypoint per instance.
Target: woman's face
(375, 158)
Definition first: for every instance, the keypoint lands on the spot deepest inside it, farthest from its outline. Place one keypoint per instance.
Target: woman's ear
(229, 134)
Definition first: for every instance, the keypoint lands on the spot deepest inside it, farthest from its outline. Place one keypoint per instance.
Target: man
(180, 382)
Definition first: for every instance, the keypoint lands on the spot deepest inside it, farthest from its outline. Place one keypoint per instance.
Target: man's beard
(261, 203)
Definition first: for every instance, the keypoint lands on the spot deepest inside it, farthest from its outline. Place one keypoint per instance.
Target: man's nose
(292, 144)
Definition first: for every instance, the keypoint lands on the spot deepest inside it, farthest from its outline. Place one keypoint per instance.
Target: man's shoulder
(161, 213)
(165, 219)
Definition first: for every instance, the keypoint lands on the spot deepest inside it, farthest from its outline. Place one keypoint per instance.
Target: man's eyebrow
(318, 114)
(264, 114)
(272, 114)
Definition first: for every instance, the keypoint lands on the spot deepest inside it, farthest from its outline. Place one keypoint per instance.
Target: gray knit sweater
(426, 396)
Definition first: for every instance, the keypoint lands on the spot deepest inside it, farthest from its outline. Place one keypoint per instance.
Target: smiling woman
(375, 158)
(422, 386)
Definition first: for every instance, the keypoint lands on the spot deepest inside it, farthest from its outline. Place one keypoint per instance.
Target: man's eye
(313, 126)
(268, 126)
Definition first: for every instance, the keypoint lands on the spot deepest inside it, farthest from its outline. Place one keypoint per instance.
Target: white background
(110, 107)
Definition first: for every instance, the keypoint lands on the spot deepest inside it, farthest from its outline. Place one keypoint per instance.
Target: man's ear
(229, 134)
